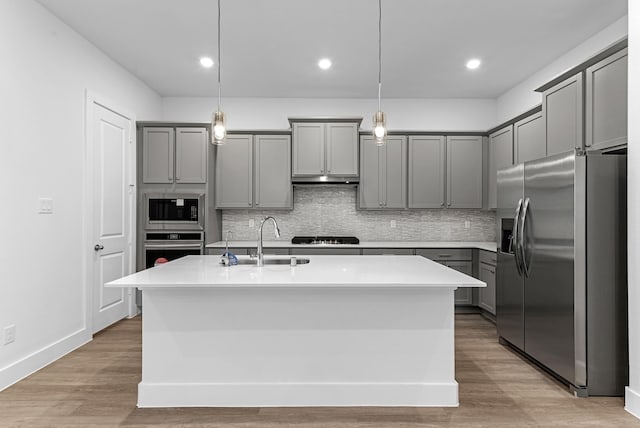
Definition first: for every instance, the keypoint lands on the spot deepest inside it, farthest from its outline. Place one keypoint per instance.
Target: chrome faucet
(225, 260)
(277, 232)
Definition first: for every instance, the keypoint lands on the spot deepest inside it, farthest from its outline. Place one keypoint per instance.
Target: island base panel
(298, 347)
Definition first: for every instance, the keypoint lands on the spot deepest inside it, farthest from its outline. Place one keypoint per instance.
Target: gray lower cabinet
(500, 156)
(325, 251)
(254, 171)
(174, 155)
(325, 148)
(562, 115)
(460, 259)
(487, 274)
(464, 172)
(388, 251)
(606, 103)
(528, 139)
(383, 173)
(427, 155)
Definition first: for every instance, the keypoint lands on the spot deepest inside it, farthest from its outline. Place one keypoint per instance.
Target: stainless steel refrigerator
(561, 273)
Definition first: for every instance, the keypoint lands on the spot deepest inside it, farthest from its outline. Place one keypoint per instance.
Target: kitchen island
(338, 331)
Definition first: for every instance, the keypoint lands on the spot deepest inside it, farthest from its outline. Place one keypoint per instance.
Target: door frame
(92, 98)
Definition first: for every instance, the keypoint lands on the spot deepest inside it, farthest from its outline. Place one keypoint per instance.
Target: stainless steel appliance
(172, 245)
(323, 240)
(184, 211)
(561, 273)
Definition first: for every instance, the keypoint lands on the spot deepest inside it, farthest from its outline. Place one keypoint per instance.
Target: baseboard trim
(297, 394)
(632, 402)
(33, 362)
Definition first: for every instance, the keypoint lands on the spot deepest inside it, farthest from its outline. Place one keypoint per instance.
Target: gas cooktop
(320, 240)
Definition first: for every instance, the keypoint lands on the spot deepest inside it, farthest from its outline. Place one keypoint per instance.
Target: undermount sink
(275, 261)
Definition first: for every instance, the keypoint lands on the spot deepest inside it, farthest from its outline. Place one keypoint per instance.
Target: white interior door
(112, 214)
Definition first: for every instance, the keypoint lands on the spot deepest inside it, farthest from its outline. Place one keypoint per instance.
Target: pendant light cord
(219, 86)
(379, 52)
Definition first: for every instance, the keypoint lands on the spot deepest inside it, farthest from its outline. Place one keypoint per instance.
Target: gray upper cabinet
(174, 155)
(325, 148)
(528, 139)
(383, 173)
(606, 102)
(234, 172)
(500, 156)
(191, 155)
(158, 155)
(254, 171)
(426, 171)
(308, 149)
(273, 172)
(342, 149)
(464, 171)
(562, 115)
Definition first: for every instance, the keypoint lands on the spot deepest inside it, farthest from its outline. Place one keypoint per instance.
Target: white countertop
(322, 271)
(487, 246)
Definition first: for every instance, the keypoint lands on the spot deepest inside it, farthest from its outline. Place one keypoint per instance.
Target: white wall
(632, 399)
(46, 68)
(402, 114)
(522, 97)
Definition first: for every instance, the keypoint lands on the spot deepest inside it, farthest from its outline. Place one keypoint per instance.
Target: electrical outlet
(467, 224)
(9, 334)
(252, 223)
(45, 206)
(393, 224)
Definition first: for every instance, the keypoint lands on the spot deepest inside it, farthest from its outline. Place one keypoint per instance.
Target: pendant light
(379, 129)
(218, 128)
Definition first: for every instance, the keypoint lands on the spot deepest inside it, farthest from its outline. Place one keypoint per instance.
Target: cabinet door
(606, 102)
(308, 149)
(191, 155)
(342, 149)
(157, 155)
(464, 172)
(562, 115)
(462, 296)
(487, 299)
(394, 173)
(234, 170)
(528, 138)
(273, 171)
(387, 251)
(369, 187)
(500, 156)
(426, 171)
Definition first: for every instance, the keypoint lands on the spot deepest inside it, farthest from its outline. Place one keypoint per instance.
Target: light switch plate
(467, 224)
(393, 224)
(45, 206)
(9, 334)
(252, 224)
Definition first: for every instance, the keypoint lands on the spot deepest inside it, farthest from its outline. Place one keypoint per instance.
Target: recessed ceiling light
(472, 64)
(324, 63)
(206, 62)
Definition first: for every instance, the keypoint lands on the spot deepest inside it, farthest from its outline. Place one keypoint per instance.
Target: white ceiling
(270, 48)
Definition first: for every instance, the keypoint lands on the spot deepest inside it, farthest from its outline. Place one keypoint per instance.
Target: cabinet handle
(449, 204)
(257, 203)
(442, 205)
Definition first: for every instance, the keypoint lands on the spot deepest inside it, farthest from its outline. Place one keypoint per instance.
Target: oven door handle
(167, 246)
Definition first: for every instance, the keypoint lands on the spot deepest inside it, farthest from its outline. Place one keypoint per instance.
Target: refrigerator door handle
(515, 239)
(523, 243)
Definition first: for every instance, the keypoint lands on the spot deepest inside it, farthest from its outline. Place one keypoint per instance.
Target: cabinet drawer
(487, 257)
(444, 254)
(388, 251)
(325, 251)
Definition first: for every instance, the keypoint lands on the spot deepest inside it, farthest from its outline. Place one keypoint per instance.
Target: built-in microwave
(166, 211)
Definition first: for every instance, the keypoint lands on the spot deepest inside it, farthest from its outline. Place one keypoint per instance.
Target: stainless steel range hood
(326, 180)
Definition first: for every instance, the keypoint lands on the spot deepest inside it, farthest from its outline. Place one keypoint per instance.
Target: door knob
(98, 247)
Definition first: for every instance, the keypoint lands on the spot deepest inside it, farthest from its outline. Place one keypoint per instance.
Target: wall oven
(172, 245)
(174, 211)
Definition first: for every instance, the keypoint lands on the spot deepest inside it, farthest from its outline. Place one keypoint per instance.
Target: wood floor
(96, 386)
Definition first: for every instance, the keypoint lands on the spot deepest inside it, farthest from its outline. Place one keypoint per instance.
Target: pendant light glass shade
(379, 129)
(218, 129)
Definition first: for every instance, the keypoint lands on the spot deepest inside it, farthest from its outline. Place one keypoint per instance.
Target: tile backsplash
(331, 210)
